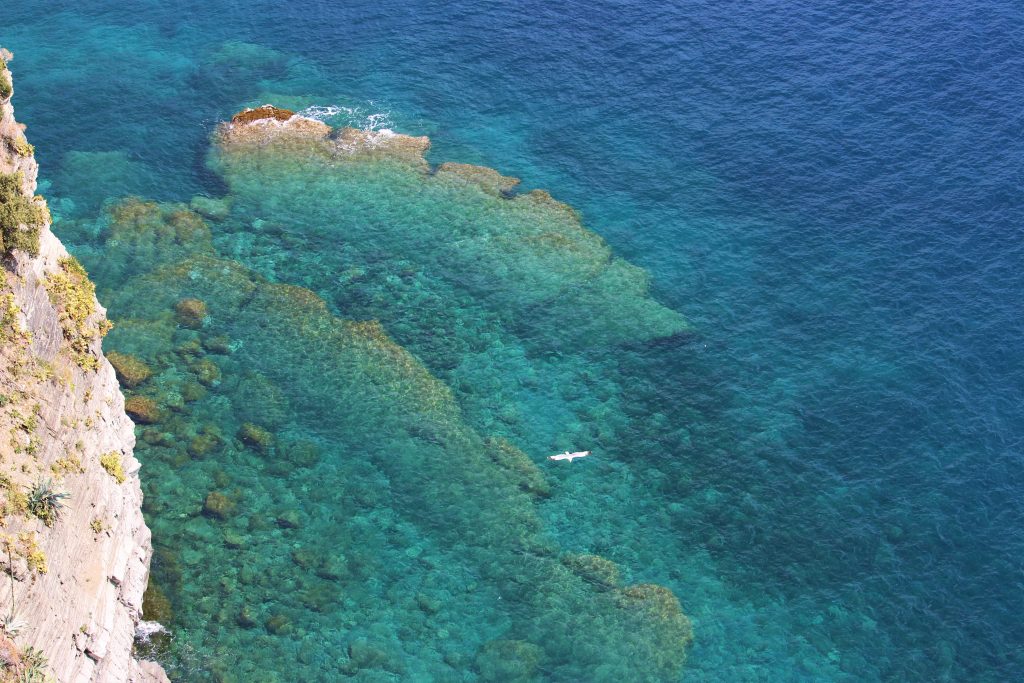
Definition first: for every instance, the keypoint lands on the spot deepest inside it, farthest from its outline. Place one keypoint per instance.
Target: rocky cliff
(74, 548)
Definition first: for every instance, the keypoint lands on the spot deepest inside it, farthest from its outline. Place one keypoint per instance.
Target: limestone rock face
(83, 611)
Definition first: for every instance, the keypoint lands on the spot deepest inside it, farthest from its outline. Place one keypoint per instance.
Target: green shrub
(74, 295)
(33, 666)
(112, 464)
(16, 210)
(22, 147)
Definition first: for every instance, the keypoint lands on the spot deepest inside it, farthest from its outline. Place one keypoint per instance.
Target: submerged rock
(487, 178)
(131, 371)
(206, 371)
(594, 569)
(142, 409)
(190, 313)
(210, 208)
(256, 437)
(192, 392)
(366, 654)
(526, 253)
(278, 624)
(206, 441)
(218, 505)
(289, 519)
(246, 618)
(524, 471)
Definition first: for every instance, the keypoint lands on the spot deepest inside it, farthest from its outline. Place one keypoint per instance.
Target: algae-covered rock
(246, 617)
(656, 613)
(233, 539)
(593, 569)
(206, 371)
(131, 371)
(320, 597)
(144, 234)
(428, 603)
(155, 437)
(524, 471)
(304, 558)
(364, 653)
(192, 392)
(332, 568)
(220, 344)
(265, 112)
(142, 409)
(278, 625)
(156, 606)
(207, 440)
(190, 313)
(289, 519)
(218, 505)
(256, 437)
(487, 178)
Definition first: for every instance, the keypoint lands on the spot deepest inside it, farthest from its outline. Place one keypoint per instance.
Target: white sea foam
(147, 629)
(322, 113)
(369, 119)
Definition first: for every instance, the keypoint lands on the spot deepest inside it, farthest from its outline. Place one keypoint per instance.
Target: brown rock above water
(267, 111)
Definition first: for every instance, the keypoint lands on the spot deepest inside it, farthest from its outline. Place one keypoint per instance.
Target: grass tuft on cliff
(111, 462)
(74, 295)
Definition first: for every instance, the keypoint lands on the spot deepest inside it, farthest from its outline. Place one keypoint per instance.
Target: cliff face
(74, 548)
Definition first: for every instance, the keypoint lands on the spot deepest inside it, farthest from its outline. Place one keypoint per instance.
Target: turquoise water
(794, 346)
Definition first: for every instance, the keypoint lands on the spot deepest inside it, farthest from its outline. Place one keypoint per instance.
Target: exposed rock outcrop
(78, 560)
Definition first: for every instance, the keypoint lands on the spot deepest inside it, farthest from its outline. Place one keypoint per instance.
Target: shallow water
(825, 468)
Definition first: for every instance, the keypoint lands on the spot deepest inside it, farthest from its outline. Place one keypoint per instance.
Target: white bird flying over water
(569, 456)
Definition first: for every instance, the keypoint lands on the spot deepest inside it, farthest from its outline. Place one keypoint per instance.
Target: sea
(765, 262)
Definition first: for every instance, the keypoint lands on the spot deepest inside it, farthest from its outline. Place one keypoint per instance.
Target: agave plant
(45, 502)
(12, 624)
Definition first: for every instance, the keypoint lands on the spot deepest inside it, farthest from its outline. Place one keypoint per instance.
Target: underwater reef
(526, 257)
(318, 492)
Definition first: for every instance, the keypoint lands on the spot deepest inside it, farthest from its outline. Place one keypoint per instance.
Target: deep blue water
(829, 194)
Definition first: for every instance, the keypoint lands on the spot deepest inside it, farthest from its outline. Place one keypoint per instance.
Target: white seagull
(569, 456)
